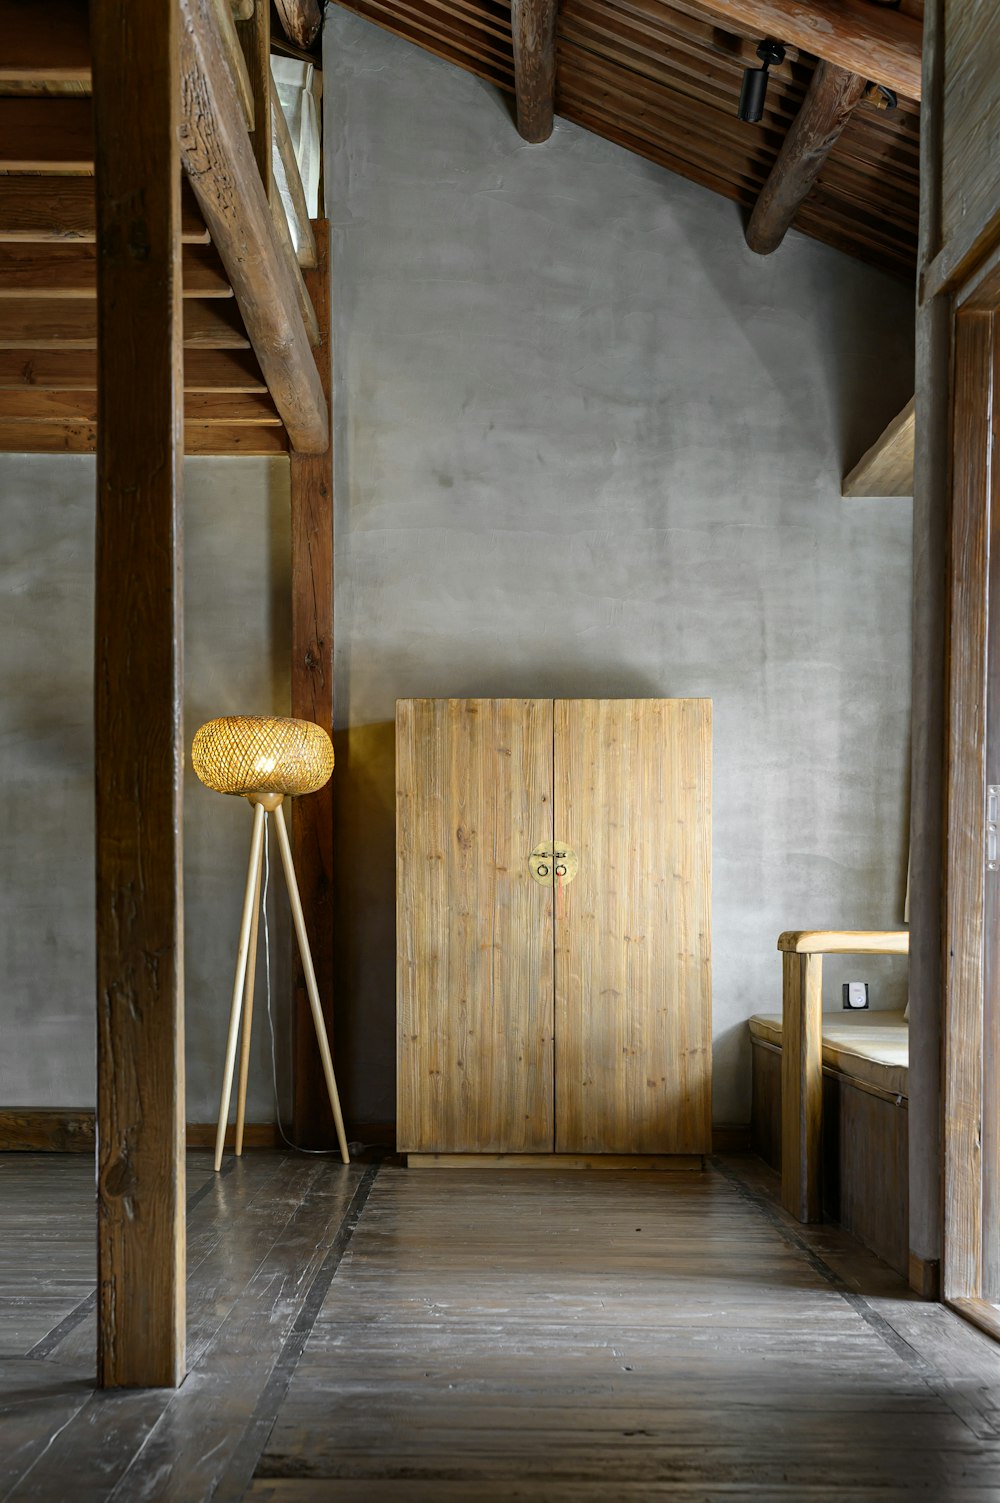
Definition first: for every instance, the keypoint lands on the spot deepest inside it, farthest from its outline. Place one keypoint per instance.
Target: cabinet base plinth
(686, 1163)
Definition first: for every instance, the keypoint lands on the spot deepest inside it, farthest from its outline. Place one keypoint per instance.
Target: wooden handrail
(218, 159)
(802, 952)
(845, 942)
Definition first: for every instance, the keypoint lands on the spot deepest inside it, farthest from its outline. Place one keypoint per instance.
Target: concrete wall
(588, 444)
(236, 610)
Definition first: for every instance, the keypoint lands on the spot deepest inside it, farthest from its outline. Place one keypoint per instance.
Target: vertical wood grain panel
(137, 713)
(474, 931)
(311, 499)
(632, 797)
(802, 1085)
(990, 1287)
(963, 1054)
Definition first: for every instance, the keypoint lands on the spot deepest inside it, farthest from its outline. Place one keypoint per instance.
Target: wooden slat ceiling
(663, 80)
(48, 284)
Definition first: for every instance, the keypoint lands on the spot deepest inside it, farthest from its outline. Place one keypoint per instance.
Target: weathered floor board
(262, 1236)
(454, 1336)
(623, 1336)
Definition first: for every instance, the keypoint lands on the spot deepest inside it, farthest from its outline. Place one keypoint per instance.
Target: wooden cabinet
(565, 1009)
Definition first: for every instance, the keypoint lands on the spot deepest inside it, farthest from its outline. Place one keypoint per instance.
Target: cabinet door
(632, 798)
(474, 931)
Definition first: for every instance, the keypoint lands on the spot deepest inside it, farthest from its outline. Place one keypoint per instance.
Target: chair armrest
(845, 942)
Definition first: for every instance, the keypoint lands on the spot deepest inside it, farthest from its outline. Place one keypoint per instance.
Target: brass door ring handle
(545, 856)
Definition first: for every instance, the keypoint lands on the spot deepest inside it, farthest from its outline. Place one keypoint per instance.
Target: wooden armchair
(802, 1052)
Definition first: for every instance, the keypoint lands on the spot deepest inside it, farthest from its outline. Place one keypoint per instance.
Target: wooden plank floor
(452, 1335)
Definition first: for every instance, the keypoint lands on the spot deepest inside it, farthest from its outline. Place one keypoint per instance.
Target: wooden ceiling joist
(833, 96)
(54, 208)
(217, 155)
(533, 33)
(662, 78)
(214, 371)
(880, 43)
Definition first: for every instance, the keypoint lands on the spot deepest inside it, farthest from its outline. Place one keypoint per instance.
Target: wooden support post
(828, 105)
(216, 154)
(801, 1085)
(533, 32)
(312, 699)
(138, 649)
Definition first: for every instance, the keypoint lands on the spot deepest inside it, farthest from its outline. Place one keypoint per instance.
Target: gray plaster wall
(589, 444)
(237, 648)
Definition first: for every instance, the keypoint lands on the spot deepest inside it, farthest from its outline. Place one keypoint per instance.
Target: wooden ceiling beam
(218, 158)
(70, 271)
(533, 31)
(832, 97)
(887, 467)
(54, 208)
(300, 20)
(881, 44)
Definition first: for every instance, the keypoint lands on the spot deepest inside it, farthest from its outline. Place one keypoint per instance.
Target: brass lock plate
(553, 864)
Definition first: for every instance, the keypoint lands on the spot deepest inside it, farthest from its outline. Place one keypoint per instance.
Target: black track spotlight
(754, 88)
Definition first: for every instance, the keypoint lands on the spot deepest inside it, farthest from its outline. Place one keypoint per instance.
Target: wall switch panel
(855, 996)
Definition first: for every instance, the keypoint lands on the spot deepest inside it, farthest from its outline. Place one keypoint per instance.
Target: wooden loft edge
(881, 44)
(886, 469)
(216, 153)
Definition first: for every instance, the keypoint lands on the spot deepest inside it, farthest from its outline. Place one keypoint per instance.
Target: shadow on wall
(364, 783)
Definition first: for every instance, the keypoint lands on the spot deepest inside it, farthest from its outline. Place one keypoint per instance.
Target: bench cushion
(872, 1047)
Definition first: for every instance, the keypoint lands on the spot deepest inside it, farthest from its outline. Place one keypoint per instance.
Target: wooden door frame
(970, 1097)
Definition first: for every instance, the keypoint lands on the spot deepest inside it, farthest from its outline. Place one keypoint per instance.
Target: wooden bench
(789, 1092)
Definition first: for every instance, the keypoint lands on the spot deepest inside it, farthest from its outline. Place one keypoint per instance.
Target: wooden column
(312, 699)
(138, 750)
(828, 105)
(802, 1085)
(533, 32)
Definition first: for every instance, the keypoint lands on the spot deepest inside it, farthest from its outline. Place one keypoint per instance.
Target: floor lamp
(265, 759)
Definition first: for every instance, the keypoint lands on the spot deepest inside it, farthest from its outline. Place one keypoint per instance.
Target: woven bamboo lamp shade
(265, 759)
(244, 754)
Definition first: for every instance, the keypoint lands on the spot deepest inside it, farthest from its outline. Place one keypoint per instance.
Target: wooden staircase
(48, 254)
